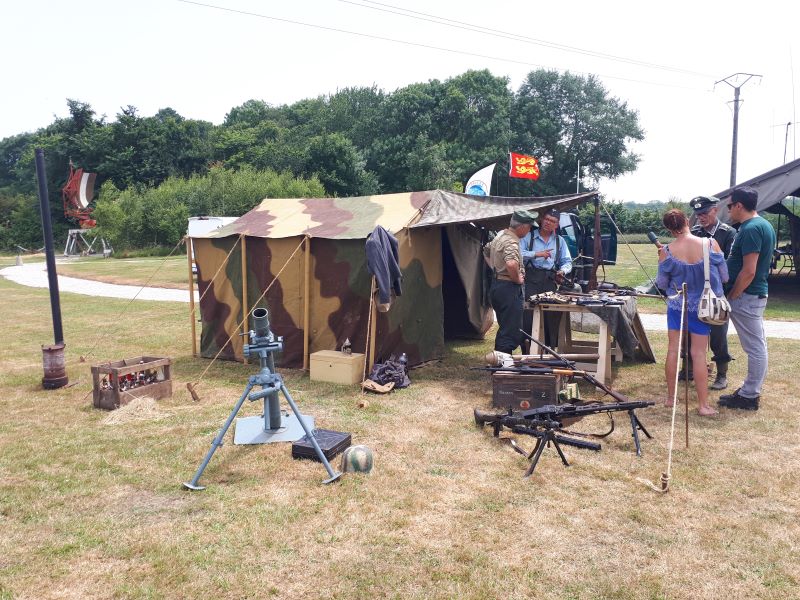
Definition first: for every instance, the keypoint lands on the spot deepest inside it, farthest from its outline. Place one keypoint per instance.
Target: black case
(330, 442)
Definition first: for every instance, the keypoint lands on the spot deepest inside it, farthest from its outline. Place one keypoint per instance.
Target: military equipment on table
(546, 424)
(271, 425)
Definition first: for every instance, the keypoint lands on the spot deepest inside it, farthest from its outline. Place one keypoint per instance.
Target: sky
(662, 59)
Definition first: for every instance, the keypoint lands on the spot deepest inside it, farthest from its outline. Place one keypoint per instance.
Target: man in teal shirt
(749, 266)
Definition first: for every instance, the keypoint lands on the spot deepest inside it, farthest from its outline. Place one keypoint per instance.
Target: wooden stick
(245, 308)
(687, 358)
(189, 253)
(306, 302)
(372, 327)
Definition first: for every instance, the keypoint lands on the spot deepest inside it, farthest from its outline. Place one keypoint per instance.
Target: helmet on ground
(357, 459)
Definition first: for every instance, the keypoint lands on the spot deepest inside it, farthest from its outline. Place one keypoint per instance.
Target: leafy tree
(153, 216)
(563, 118)
(339, 166)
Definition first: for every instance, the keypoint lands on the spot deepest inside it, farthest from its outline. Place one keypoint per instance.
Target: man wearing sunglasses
(748, 266)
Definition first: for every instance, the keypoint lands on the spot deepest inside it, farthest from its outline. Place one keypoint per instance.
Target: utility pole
(736, 89)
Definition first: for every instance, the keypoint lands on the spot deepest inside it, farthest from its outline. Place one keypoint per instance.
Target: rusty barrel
(55, 369)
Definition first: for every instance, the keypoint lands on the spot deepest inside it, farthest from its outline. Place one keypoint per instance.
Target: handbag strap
(706, 261)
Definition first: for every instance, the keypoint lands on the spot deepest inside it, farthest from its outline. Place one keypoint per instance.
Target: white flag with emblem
(481, 183)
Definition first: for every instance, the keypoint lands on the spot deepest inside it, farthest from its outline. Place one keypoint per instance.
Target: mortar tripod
(271, 426)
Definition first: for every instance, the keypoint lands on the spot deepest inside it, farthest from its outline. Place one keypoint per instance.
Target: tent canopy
(772, 187)
(355, 218)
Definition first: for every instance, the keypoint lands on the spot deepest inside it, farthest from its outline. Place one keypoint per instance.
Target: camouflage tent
(315, 247)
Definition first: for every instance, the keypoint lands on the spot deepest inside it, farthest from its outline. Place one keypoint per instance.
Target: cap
(702, 204)
(526, 217)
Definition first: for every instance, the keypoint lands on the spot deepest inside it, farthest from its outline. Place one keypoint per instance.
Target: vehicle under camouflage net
(316, 249)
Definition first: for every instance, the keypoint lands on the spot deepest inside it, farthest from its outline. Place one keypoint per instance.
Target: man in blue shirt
(547, 260)
(748, 266)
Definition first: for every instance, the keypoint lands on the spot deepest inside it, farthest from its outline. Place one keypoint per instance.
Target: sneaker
(740, 402)
(682, 375)
(720, 383)
(731, 396)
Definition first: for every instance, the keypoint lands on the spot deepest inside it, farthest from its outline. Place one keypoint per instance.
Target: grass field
(91, 503)
(167, 272)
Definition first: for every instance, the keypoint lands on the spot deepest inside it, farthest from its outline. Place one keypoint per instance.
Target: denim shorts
(696, 326)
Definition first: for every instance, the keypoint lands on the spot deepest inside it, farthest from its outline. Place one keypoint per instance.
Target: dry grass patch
(93, 510)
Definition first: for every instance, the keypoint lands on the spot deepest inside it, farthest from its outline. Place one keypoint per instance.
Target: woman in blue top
(679, 262)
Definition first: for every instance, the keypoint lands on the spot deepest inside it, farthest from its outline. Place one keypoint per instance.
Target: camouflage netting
(444, 290)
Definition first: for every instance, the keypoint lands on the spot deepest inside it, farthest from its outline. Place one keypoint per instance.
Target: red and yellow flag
(523, 166)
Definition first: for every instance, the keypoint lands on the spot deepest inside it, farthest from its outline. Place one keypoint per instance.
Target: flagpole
(508, 173)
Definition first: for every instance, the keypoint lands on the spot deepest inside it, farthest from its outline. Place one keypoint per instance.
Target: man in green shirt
(748, 266)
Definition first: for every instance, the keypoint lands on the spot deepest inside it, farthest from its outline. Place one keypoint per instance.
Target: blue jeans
(747, 315)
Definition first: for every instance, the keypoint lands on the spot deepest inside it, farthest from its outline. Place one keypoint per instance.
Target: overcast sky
(203, 61)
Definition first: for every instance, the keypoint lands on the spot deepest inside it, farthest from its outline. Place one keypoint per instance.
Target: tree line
(154, 171)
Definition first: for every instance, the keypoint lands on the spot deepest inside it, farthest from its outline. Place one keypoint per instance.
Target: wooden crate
(337, 367)
(113, 381)
(520, 391)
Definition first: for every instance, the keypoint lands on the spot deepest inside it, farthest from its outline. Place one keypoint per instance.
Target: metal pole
(47, 230)
(578, 179)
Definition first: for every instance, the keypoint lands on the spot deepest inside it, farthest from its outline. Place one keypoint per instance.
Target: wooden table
(597, 355)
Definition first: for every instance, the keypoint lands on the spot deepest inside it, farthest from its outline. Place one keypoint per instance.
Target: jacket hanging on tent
(383, 262)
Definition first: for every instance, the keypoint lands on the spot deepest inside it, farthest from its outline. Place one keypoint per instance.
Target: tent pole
(192, 319)
(598, 246)
(245, 307)
(306, 301)
(372, 325)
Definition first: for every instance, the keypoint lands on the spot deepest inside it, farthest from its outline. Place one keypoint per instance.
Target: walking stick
(685, 334)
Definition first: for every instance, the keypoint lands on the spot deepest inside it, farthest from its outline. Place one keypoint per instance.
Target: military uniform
(506, 294)
(724, 235)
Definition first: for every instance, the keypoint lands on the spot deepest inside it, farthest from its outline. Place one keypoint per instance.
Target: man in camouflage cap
(503, 255)
(709, 226)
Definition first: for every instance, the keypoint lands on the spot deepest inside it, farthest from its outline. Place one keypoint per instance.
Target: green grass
(171, 272)
(90, 509)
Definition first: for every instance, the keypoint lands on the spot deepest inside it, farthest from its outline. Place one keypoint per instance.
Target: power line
(412, 14)
(418, 44)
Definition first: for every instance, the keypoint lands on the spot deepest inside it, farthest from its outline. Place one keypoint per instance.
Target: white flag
(480, 184)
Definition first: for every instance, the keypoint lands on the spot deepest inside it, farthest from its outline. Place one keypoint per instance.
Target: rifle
(546, 424)
(569, 367)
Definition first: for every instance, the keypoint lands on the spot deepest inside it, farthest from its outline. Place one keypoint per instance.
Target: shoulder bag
(712, 309)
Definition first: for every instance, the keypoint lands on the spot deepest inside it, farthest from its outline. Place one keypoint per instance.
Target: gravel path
(35, 275)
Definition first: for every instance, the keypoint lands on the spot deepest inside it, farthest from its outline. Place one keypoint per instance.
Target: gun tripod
(271, 426)
(548, 436)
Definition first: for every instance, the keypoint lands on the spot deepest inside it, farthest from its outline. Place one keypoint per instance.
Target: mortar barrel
(261, 322)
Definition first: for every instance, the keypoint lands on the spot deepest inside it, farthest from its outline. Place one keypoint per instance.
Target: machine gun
(546, 425)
